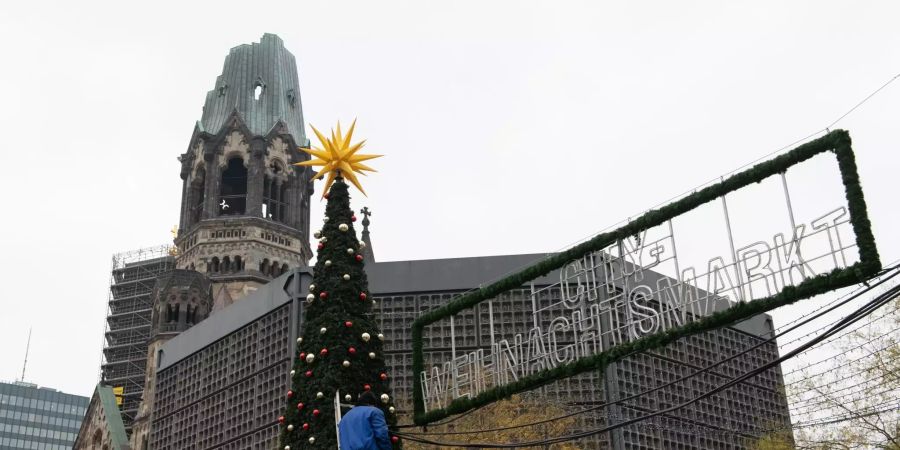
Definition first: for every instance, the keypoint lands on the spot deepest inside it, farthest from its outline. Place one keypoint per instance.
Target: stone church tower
(244, 207)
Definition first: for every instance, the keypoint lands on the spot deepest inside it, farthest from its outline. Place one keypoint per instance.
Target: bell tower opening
(233, 194)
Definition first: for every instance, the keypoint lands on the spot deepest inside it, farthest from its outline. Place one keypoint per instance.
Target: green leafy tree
(340, 351)
(513, 412)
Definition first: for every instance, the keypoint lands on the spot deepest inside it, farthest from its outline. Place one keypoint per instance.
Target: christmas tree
(340, 350)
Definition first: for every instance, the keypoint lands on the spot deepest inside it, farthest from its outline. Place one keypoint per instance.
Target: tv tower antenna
(27, 346)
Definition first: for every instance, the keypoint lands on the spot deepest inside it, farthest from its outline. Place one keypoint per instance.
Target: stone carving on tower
(245, 206)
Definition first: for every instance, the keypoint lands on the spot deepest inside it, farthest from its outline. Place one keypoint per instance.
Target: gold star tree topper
(338, 157)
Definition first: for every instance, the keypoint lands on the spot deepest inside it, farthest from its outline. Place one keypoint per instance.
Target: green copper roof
(265, 64)
(113, 418)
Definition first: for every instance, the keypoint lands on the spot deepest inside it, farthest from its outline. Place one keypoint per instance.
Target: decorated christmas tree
(340, 350)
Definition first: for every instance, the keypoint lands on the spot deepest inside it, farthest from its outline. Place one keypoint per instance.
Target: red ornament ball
(395, 439)
(290, 394)
(323, 295)
(305, 426)
(367, 387)
(302, 355)
(280, 419)
(324, 352)
(309, 374)
(348, 324)
(359, 258)
(300, 405)
(353, 218)
(320, 246)
(351, 351)
(316, 413)
(363, 296)
(383, 376)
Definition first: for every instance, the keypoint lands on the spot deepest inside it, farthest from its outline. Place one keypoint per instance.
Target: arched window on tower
(233, 192)
(238, 264)
(284, 268)
(226, 265)
(275, 193)
(197, 195)
(214, 265)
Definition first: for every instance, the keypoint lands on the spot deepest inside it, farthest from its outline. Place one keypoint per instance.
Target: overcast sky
(509, 127)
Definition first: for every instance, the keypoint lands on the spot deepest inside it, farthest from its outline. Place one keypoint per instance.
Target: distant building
(33, 417)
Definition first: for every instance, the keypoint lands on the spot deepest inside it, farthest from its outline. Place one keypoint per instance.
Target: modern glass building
(33, 417)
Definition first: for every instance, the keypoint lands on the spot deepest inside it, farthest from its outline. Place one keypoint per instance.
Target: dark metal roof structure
(269, 66)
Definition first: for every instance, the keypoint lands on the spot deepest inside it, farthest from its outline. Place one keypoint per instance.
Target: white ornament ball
(343, 227)
(372, 355)
(346, 277)
(312, 287)
(327, 263)
(380, 337)
(362, 245)
(310, 298)
(374, 303)
(325, 219)
(317, 234)
(323, 330)
(346, 363)
(366, 337)
(312, 439)
(350, 251)
(392, 410)
(299, 340)
(293, 372)
(347, 398)
(320, 395)
(310, 358)
(290, 428)
(385, 398)
(287, 447)
(324, 239)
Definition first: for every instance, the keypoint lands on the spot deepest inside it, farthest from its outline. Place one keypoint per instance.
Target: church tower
(244, 206)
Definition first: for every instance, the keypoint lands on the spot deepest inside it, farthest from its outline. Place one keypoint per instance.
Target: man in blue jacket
(364, 427)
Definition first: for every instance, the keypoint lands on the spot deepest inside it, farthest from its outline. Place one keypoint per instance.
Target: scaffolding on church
(128, 317)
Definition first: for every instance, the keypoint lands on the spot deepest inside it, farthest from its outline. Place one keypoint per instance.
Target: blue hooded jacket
(364, 428)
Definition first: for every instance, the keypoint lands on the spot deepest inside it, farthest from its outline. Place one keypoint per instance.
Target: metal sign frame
(869, 264)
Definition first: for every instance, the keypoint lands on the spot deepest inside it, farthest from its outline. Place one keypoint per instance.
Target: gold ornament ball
(343, 227)
(372, 355)
(392, 410)
(350, 251)
(310, 358)
(320, 395)
(346, 277)
(310, 298)
(366, 337)
(327, 263)
(312, 287)
(290, 428)
(346, 363)
(380, 337)
(385, 398)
